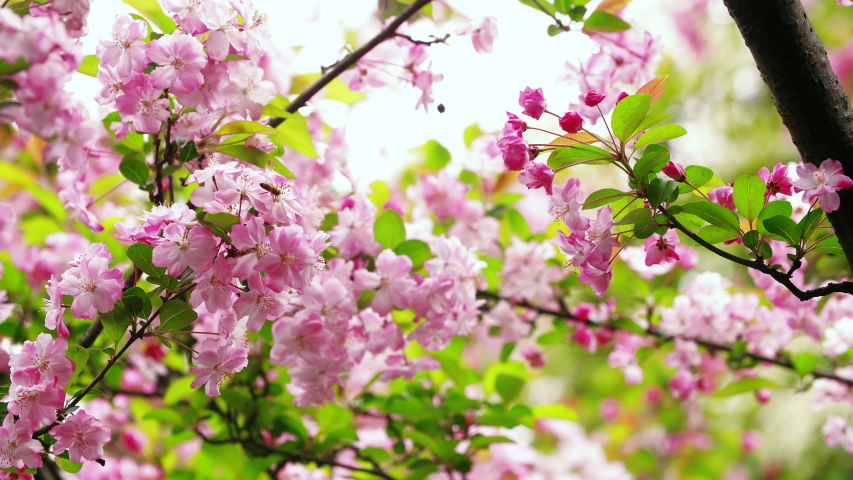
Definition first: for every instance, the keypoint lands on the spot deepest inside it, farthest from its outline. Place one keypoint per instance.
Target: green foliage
(629, 114)
(590, 154)
(748, 196)
(389, 229)
(605, 22)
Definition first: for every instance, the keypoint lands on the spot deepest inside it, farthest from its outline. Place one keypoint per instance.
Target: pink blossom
(313, 378)
(777, 182)
(215, 286)
(822, 183)
(592, 98)
(687, 257)
(295, 337)
(533, 356)
(845, 3)
(482, 35)
(209, 97)
(763, 395)
(423, 80)
(260, 303)
(353, 235)
(124, 50)
(674, 171)
(585, 337)
(750, 441)
(215, 363)
(82, 435)
(661, 248)
(635, 258)
(47, 355)
(400, 366)
(247, 91)
(722, 196)
(393, 282)
(837, 431)
(225, 35)
(181, 58)
(291, 254)
(515, 152)
(18, 448)
(191, 15)
(683, 385)
(533, 102)
(142, 105)
(571, 122)
(195, 248)
(565, 204)
(537, 175)
(32, 399)
(94, 286)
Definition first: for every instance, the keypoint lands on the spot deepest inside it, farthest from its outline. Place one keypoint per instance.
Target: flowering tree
(186, 293)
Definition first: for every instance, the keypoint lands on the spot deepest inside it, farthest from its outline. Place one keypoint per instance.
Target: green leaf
(480, 441)
(605, 22)
(178, 390)
(628, 115)
(89, 66)
(829, 245)
(137, 302)
(602, 197)
(176, 315)
(557, 410)
(750, 239)
(518, 224)
(627, 324)
(294, 133)
(578, 153)
(151, 10)
(508, 386)
(553, 337)
(748, 195)
(251, 155)
(80, 356)
(471, 133)
(714, 214)
(538, 5)
(654, 158)
(389, 229)
(660, 190)
(133, 168)
(554, 30)
(116, 322)
(164, 415)
(220, 223)
(714, 234)
(805, 363)
(93, 393)
(12, 68)
(809, 223)
(639, 215)
(506, 351)
(67, 465)
(784, 227)
(436, 156)
(773, 209)
(745, 385)
(140, 255)
(650, 121)
(696, 176)
(417, 250)
(188, 152)
(659, 135)
(245, 126)
(332, 417)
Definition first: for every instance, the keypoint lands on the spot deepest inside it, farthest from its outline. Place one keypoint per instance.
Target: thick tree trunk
(806, 91)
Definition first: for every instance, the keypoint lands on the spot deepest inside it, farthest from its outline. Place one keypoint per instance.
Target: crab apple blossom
(124, 50)
(532, 101)
(822, 183)
(538, 175)
(18, 448)
(182, 248)
(33, 399)
(571, 122)
(94, 286)
(181, 58)
(661, 248)
(215, 363)
(83, 436)
(140, 103)
(47, 355)
(593, 98)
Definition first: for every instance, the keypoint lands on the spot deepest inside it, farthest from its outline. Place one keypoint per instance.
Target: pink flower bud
(571, 122)
(586, 338)
(763, 395)
(515, 153)
(621, 96)
(533, 102)
(533, 356)
(750, 441)
(592, 98)
(674, 171)
(537, 175)
(609, 409)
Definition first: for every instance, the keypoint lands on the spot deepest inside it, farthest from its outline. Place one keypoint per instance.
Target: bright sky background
(476, 88)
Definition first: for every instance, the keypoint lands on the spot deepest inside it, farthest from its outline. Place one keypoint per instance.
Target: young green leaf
(696, 176)
(659, 135)
(137, 302)
(417, 250)
(140, 255)
(660, 190)
(809, 223)
(750, 239)
(714, 214)
(628, 115)
(714, 234)
(116, 322)
(578, 153)
(605, 22)
(653, 160)
(519, 224)
(188, 152)
(805, 363)
(784, 227)
(176, 315)
(389, 229)
(602, 197)
(294, 133)
(133, 168)
(748, 195)
(80, 356)
(245, 126)
(508, 386)
(773, 209)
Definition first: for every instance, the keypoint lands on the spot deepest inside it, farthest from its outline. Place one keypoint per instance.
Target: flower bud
(533, 102)
(571, 122)
(538, 175)
(763, 395)
(674, 171)
(592, 98)
(621, 96)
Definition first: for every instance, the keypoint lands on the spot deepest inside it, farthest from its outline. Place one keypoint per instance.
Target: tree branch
(782, 362)
(350, 60)
(806, 91)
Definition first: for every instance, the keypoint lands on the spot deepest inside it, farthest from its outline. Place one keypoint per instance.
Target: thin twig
(350, 60)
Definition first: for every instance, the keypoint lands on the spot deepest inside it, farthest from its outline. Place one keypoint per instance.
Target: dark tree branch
(806, 91)
(424, 42)
(350, 60)
(713, 346)
(783, 278)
